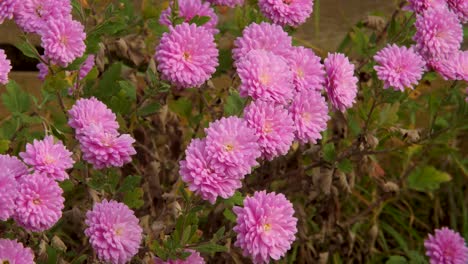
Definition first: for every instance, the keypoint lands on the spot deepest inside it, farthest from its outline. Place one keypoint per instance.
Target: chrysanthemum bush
(193, 131)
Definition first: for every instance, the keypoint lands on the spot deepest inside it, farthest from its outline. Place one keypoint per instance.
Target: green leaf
(28, 50)
(4, 145)
(236, 199)
(229, 215)
(345, 166)
(219, 234)
(52, 257)
(210, 248)
(234, 104)
(15, 99)
(128, 88)
(133, 199)
(76, 64)
(329, 153)
(182, 107)
(56, 82)
(130, 182)
(149, 109)
(427, 178)
(199, 20)
(396, 260)
(106, 86)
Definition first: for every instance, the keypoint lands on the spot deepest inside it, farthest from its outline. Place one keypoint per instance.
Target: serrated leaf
(149, 109)
(130, 182)
(229, 215)
(427, 178)
(133, 199)
(234, 104)
(345, 166)
(107, 84)
(128, 88)
(329, 153)
(200, 20)
(182, 107)
(15, 99)
(236, 199)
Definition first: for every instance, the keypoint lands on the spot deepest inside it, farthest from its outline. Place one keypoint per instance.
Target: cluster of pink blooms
(286, 85)
(438, 37)
(62, 38)
(33, 197)
(14, 252)
(96, 129)
(446, 247)
(113, 231)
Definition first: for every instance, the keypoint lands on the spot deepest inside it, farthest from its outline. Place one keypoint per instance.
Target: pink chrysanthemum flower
(265, 76)
(5, 67)
(438, 33)
(39, 202)
(188, 9)
(274, 127)
(308, 72)
(459, 7)
(446, 247)
(7, 9)
(201, 177)
(14, 252)
(87, 66)
(48, 158)
(263, 36)
(341, 84)
(399, 67)
(32, 15)
(91, 111)
(63, 41)
(230, 3)
(113, 231)
(310, 115)
(419, 6)
(13, 166)
(194, 258)
(287, 12)
(453, 66)
(187, 56)
(8, 193)
(105, 149)
(232, 146)
(266, 226)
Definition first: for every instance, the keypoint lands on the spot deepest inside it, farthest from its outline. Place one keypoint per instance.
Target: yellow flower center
(36, 201)
(264, 79)
(49, 159)
(229, 147)
(267, 128)
(267, 227)
(186, 56)
(306, 116)
(5, 261)
(119, 231)
(300, 73)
